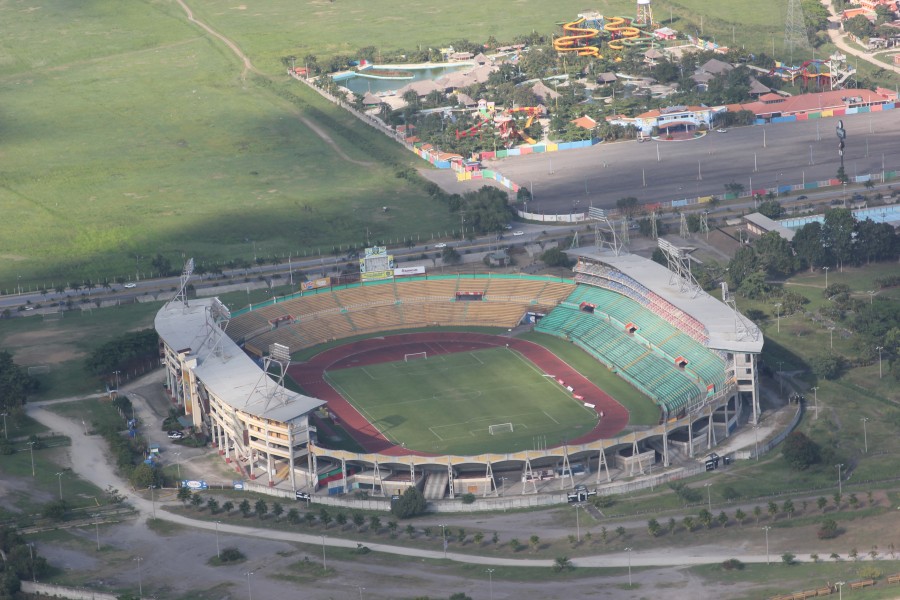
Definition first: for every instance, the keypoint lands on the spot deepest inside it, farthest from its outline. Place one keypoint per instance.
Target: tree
(741, 265)
(410, 504)
(620, 531)
(374, 523)
(325, 517)
(562, 563)
(260, 508)
(555, 257)
(822, 503)
(653, 528)
(535, 543)
(184, 494)
(788, 558)
(244, 508)
(771, 208)
(628, 206)
(837, 500)
(788, 508)
(837, 233)
(854, 501)
(826, 366)
(757, 512)
(293, 516)
(450, 256)
(227, 506)
(705, 518)
(722, 519)
(143, 476)
(277, 510)
(341, 519)
(800, 451)
(671, 525)
(828, 529)
(392, 527)
(15, 384)
(359, 520)
(688, 523)
(734, 188)
(772, 509)
(196, 501)
(740, 516)
(411, 531)
(774, 254)
(213, 505)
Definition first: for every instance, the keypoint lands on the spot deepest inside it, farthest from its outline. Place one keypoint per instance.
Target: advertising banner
(401, 271)
(315, 283)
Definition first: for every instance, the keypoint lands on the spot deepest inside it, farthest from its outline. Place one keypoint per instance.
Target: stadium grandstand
(684, 350)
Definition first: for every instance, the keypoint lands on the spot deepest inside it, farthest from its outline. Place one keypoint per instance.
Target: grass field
(446, 403)
(137, 126)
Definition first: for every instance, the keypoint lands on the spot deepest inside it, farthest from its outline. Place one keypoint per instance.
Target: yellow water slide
(573, 38)
(620, 30)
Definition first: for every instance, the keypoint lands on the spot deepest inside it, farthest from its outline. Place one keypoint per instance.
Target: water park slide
(624, 34)
(577, 35)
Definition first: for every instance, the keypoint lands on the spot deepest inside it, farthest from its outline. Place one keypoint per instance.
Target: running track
(372, 351)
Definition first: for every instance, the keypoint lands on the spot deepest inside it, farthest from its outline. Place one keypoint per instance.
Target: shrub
(732, 564)
(828, 529)
(231, 555)
(412, 503)
(468, 498)
(800, 451)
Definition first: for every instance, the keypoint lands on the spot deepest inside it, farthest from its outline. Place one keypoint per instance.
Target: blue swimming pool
(360, 82)
(879, 214)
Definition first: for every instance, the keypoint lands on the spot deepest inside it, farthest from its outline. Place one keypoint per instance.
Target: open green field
(131, 131)
(446, 403)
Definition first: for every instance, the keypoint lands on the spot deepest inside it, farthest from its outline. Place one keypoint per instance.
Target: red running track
(372, 351)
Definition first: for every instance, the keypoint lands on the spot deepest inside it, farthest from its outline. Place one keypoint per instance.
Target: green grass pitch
(446, 403)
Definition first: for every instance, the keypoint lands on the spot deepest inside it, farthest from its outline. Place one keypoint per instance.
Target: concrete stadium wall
(58, 591)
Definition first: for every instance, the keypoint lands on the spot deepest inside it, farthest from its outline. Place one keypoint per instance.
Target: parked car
(175, 435)
(128, 286)
(441, 245)
(802, 197)
(721, 130)
(518, 233)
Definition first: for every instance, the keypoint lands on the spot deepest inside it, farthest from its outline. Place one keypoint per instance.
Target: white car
(128, 286)
(518, 233)
(721, 130)
(441, 245)
(175, 435)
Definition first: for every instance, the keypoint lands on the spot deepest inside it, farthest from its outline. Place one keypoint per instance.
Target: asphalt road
(604, 173)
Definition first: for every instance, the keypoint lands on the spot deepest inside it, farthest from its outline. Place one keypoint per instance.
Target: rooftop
(228, 373)
(715, 315)
(767, 224)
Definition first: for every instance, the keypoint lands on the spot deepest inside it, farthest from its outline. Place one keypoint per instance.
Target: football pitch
(448, 403)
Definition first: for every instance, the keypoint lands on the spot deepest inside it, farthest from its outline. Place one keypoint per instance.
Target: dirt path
(838, 40)
(248, 67)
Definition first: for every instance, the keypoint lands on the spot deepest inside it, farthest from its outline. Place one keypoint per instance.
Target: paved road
(604, 173)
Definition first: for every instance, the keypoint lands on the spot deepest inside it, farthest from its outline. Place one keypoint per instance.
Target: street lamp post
(97, 531)
(59, 477)
(178, 463)
(628, 550)
(218, 553)
(249, 591)
(840, 485)
(865, 435)
(31, 449)
(879, 348)
(708, 487)
(490, 573)
(826, 276)
(840, 586)
(361, 589)
(778, 316)
(871, 294)
(5, 433)
(816, 400)
(152, 500)
(324, 564)
(444, 538)
(766, 529)
(140, 559)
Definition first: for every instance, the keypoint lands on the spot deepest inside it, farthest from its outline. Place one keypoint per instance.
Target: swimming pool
(879, 214)
(360, 82)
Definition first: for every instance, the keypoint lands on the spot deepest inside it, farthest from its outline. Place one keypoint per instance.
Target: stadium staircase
(436, 485)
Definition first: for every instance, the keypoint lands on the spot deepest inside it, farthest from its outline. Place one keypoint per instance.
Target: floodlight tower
(644, 13)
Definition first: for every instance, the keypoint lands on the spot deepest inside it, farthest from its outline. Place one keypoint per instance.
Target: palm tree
(535, 542)
(562, 563)
(705, 518)
(653, 527)
(739, 516)
(411, 531)
(359, 520)
(822, 503)
(773, 510)
(757, 512)
(788, 507)
(688, 524)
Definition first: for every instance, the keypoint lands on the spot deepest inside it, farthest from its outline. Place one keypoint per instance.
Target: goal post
(415, 356)
(500, 428)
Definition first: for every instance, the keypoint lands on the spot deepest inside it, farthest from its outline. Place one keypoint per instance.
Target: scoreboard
(376, 264)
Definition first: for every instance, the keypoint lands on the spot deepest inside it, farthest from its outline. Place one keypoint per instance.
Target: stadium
(428, 382)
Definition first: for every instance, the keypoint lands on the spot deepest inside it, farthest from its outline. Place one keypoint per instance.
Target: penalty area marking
(551, 418)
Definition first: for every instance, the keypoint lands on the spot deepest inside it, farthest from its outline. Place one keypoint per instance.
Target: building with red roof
(771, 106)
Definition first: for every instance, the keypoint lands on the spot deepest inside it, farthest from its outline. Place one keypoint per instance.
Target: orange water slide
(574, 37)
(619, 29)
